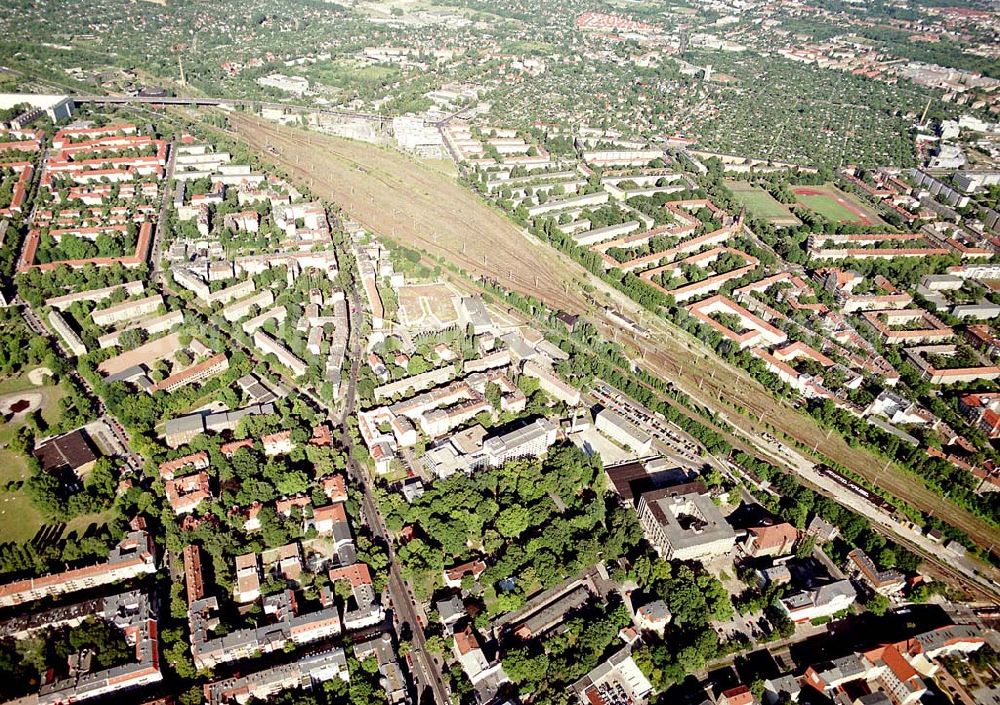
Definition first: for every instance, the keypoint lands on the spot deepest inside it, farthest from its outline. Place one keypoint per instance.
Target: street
(424, 668)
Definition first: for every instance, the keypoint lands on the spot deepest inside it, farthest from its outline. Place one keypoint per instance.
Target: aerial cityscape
(508, 352)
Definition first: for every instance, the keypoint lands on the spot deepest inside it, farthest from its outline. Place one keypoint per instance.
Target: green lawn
(81, 523)
(349, 76)
(17, 383)
(12, 466)
(19, 520)
(759, 202)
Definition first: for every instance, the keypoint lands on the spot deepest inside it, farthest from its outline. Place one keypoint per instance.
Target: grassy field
(348, 76)
(19, 520)
(761, 204)
(835, 205)
(397, 197)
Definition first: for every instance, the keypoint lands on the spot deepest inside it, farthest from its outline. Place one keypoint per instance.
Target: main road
(425, 670)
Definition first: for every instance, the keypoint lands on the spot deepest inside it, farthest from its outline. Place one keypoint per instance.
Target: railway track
(505, 264)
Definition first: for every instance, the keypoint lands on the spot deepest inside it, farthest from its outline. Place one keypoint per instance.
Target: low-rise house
(169, 468)
(777, 575)
(451, 610)
(740, 695)
(325, 519)
(453, 577)
(773, 540)
(279, 443)
(286, 505)
(821, 530)
(824, 601)
(229, 449)
(246, 587)
(335, 488)
(653, 616)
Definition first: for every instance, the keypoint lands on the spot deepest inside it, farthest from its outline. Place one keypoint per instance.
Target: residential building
(130, 613)
(551, 383)
(127, 310)
(269, 346)
(168, 469)
(392, 680)
(453, 577)
(821, 530)
(133, 556)
(364, 609)
(311, 670)
(192, 375)
(66, 332)
(185, 494)
(530, 440)
(279, 443)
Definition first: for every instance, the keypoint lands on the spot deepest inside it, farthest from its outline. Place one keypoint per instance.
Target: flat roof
(688, 516)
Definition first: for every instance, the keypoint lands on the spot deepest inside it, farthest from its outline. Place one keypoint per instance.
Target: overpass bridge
(85, 99)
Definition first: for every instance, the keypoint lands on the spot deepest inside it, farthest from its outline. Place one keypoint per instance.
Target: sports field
(835, 205)
(761, 204)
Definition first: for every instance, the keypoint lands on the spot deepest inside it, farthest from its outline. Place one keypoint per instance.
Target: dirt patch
(37, 376)
(20, 404)
(147, 354)
(427, 305)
